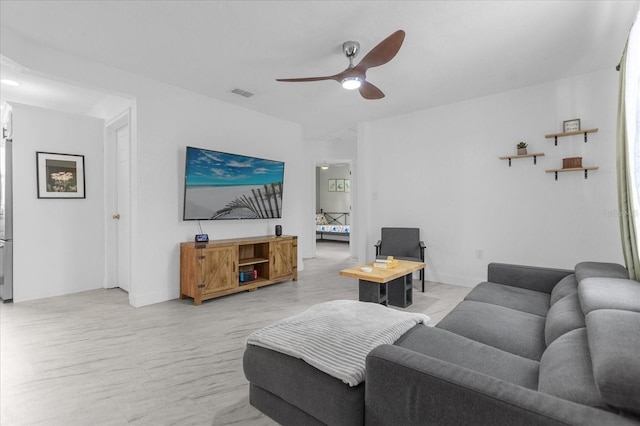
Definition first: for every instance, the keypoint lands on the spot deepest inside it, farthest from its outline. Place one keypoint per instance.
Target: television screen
(219, 185)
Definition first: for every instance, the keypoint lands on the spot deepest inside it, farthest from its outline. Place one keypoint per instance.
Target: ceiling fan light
(351, 83)
(10, 82)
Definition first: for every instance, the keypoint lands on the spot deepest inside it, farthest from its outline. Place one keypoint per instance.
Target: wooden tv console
(216, 268)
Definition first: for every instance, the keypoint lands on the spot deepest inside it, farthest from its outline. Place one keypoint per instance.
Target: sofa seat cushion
(614, 344)
(299, 384)
(564, 316)
(609, 293)
(464, 352)
(516, 298)
(566, 370)
(516, 332)
(600, 270)
(567, 285)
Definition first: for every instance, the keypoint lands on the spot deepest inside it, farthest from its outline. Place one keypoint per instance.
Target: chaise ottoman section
(310, 368)
(292, 392)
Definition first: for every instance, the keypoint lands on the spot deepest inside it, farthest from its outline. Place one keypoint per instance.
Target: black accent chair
(403, 244)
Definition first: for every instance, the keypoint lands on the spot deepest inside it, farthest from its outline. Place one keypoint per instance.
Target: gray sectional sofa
(530, 346)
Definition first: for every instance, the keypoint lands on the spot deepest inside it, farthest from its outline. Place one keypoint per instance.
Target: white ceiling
(453, 50)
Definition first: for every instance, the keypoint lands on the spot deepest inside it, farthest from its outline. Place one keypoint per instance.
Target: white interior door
(123, 208)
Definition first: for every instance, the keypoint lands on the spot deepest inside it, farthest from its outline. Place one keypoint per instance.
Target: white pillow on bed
(321, 220)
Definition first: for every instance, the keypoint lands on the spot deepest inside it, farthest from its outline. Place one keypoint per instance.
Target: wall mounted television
(219, 185)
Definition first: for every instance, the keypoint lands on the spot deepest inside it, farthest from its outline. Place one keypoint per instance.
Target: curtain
(628, 152)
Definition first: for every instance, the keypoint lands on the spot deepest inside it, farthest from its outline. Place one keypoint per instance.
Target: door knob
(116, 216)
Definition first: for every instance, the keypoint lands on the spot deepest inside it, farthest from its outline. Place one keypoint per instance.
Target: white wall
(165, 120)
(58, 246)
(440, 172)
(169, 119)
(436, 169)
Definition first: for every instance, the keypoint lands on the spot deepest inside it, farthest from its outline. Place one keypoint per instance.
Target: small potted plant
(522, 148)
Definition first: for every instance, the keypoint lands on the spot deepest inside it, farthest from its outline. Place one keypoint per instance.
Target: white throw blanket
(335, 337)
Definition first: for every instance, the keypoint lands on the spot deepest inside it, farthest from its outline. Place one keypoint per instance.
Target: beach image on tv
(220, 185)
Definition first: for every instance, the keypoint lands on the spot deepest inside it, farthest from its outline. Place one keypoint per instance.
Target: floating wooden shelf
(535, 157)
(577, 169)
(555, 136)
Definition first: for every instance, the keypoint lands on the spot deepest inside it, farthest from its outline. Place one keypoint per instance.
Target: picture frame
(332, 185)
(571, 125)
(347, 185)
(339, 185)
(60, 175)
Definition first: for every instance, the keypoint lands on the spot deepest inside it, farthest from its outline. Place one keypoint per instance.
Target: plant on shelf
(522, 148)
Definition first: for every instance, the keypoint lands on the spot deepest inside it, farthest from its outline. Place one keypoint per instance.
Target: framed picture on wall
(347, 185)
(60, 175)
(571, 125)
(332, 185)
(340, 185)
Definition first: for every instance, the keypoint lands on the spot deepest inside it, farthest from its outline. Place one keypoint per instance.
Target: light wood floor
(91, 359)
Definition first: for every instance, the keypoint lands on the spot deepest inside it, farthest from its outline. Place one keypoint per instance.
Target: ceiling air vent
(242, 93)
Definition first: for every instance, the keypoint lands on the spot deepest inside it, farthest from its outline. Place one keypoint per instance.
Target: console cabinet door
(219, 269)
(283, 258)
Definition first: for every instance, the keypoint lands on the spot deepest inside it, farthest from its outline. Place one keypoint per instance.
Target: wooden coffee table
(386, 286)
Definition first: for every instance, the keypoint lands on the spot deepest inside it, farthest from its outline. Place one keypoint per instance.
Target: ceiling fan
(354, 77)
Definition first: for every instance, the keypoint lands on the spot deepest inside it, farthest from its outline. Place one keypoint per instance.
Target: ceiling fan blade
(369, 91)
(330, 77)
(383, 52)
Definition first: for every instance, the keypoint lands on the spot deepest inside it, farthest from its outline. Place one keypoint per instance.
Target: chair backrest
(401, 242)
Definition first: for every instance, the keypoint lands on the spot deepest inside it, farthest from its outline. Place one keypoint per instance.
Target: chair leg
(422, 278)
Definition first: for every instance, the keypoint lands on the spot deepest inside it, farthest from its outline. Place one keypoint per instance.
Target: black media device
(278, 230)
(202, 238)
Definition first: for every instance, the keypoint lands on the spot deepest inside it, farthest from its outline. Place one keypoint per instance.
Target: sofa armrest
(408, 388)
(529, 277)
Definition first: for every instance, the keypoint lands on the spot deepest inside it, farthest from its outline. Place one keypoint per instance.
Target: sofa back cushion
(614, 344)
(600, 270)
(568, 284)
(609, 293)
(565, 315)
(566, 370)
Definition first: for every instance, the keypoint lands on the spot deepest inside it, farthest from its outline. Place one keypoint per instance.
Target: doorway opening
(333, 219)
